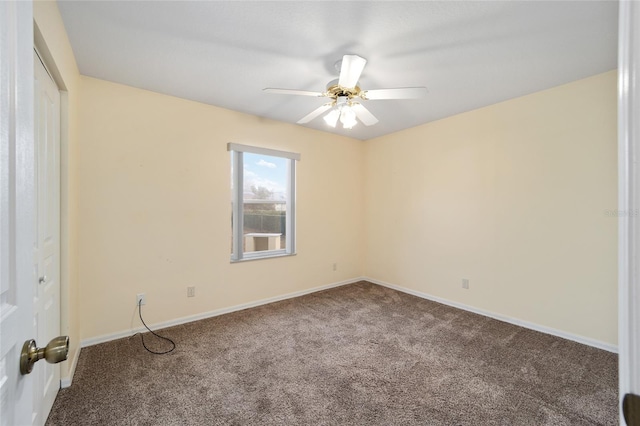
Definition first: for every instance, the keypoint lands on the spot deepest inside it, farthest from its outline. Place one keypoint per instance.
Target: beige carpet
(354, 355)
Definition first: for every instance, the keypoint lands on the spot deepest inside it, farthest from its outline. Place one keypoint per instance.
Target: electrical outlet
(335, 266)
(465, 283)
(141, 298)
(191, 291)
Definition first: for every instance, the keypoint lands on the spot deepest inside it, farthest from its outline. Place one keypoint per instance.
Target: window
(262, 201)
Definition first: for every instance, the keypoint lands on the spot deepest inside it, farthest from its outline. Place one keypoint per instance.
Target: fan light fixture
(343, 112)
(341, 109)
(346, 96)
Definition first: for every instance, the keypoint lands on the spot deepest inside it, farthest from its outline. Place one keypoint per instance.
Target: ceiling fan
(345, 96)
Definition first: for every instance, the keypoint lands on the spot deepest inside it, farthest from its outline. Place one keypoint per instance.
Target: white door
(629, 203)
(46, 308)
(17, 208)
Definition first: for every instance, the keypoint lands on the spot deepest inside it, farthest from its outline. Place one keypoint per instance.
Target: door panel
(47, 248)
(17, 208)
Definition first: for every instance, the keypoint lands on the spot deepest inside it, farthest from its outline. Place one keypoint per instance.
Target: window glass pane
(264, 202)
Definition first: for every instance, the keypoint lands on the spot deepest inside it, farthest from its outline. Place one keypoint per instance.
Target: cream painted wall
(155, 208)
(52, 43)
(513, 197)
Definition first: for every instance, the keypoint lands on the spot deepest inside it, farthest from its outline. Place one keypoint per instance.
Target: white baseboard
(126, 333)
(65, 382)
(532, 326)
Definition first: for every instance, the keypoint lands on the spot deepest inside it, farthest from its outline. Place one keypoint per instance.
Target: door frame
(628, 200)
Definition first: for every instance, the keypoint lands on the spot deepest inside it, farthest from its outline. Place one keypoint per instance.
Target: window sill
(266, 256)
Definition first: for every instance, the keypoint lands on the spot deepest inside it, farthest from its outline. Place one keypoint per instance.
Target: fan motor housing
(334, 90)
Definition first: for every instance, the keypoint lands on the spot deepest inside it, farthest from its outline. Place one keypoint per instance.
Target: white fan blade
(352, 66)
(292, 92)
(313, 114)
(364, 115)
(399, 93)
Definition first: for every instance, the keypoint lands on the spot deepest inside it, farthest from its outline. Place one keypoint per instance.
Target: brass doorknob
(631, 409)
(56, 351)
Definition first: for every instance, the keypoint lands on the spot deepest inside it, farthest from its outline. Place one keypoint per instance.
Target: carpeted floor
(354, 355)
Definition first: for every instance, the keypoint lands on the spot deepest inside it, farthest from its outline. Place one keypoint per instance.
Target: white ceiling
(468, 54)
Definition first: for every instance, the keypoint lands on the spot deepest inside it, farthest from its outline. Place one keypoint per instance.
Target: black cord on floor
(155, 334)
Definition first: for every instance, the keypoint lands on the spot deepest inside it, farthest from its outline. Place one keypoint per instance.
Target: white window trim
(238, 202)
(264, 151)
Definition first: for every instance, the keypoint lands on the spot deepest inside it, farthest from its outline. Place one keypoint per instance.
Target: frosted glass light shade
(348, 118)
(332, 118)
